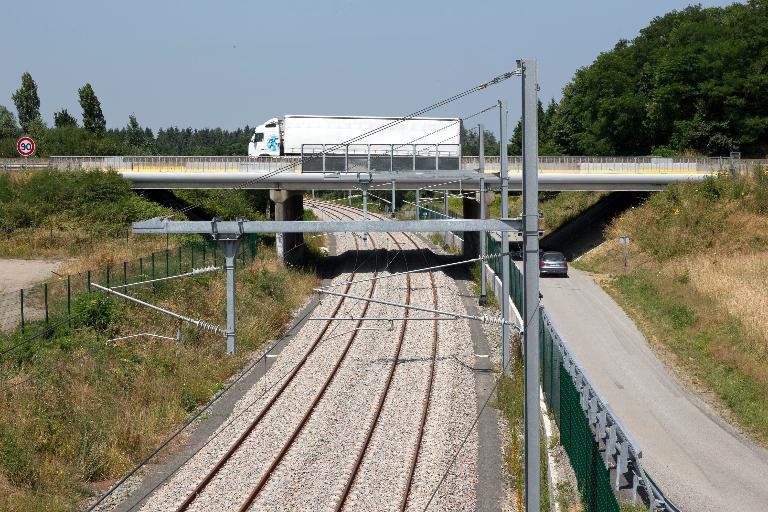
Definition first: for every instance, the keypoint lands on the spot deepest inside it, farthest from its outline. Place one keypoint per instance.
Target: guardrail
(378, 158)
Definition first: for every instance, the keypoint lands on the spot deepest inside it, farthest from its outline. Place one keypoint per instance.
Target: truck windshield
(258, 137)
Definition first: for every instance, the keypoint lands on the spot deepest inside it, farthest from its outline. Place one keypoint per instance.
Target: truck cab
(267, 139)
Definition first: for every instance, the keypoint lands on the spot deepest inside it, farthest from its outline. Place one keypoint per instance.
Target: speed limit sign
(25, 146)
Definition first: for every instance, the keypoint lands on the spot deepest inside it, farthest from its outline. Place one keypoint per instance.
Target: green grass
(676, 289)
(76, 411)
(49, 213)
(709, 343)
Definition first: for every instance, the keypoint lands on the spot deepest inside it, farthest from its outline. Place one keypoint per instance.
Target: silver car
(554, 263)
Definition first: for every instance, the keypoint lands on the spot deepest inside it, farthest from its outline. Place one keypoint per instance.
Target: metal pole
(21, 299)
(69, 299)
(531, 284)
(229, 247)
(483, 300)
(45, 299)
(505, 260)
(392, 205)
(418, 217)
(445, 213)
(365, 213)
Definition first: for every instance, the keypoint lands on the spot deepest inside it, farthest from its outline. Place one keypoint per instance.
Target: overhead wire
(497, 79)
(145, 461)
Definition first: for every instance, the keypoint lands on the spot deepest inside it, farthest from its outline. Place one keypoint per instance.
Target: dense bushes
(36, 199)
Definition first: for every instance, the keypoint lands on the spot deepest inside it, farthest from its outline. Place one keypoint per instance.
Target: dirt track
(16, 274)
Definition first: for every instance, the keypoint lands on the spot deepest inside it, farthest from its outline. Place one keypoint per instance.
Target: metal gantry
(229, 235)
(531, 284)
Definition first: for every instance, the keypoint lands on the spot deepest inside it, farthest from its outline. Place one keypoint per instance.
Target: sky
(236, 62)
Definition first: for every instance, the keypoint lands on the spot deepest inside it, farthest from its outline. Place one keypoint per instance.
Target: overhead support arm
(220, 228)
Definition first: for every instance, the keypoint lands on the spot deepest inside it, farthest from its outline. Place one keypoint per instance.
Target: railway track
(403, 498)
(215, 470)
(357, 448)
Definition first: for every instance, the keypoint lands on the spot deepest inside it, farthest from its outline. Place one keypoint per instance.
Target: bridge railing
(632, 164)
(386, 158)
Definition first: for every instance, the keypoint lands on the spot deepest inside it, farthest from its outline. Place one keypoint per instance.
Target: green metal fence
(565, 402)
(37, 307)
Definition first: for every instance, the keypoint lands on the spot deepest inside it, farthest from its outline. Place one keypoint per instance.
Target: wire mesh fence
(35, 308)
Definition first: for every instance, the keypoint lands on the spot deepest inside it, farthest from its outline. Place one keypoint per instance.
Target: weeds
(697, 284)
(77, 411)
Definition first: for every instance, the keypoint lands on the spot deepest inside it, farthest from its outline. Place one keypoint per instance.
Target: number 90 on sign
(25, 146)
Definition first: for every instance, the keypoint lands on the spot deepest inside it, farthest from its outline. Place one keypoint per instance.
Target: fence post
(21, 292)
(153, 265)
(167, 260)
(45, 300)
(107, 276)
(69, 300)
(193, 257)
(89, 281)
(141, 268)
(125, 272)
(179, 260)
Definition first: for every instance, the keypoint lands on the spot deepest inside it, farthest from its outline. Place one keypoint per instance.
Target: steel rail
(267, 475)
(247, 432)
(382, 399)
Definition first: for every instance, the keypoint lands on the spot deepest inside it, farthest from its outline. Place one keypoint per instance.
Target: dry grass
(738, 282)
(80, 412)
(697, 286)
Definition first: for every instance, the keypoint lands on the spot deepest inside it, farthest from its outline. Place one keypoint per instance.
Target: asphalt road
(699, 461)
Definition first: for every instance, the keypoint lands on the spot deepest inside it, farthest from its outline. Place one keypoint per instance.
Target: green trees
(93, 118)
(694, 82)
(27, 103)
(470, 144)
(62, 119)
(8, 127)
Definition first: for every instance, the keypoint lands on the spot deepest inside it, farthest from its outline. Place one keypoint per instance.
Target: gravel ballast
(318, 465)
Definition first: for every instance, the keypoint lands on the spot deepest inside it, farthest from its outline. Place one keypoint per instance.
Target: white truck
(302, 134)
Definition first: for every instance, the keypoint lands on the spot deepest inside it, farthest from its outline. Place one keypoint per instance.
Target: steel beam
(505, 260)
(483, 299)
(404, 181)
(161, 225)
(531, 285)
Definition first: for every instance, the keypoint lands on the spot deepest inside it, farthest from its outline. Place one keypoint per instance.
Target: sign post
(25, 146)
(624, 239)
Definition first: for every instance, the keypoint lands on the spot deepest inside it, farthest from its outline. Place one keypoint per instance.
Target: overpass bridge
(421, 168)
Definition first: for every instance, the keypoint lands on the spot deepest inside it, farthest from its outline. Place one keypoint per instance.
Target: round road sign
(25, 146)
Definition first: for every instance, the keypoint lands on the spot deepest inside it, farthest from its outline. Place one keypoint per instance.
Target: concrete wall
(289, 205)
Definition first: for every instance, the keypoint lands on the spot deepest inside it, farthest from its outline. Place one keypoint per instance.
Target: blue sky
(236, 62)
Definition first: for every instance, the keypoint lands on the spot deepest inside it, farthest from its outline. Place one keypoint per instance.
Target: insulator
(493, 320)
(206, 326)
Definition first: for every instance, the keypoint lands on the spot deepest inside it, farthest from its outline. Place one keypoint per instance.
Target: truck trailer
(306, 134)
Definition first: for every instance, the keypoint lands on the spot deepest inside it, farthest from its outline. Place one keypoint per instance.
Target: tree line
(693, 82)
(67, 136)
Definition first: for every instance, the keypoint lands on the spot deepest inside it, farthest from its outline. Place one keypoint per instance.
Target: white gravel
(316, 468)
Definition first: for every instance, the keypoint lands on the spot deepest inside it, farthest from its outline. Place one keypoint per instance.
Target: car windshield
(553, 256)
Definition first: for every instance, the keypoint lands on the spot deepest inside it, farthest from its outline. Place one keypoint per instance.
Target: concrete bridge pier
(289, 205)
(471, 210)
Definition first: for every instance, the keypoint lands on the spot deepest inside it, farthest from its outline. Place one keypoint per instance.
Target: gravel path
(317, 467)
